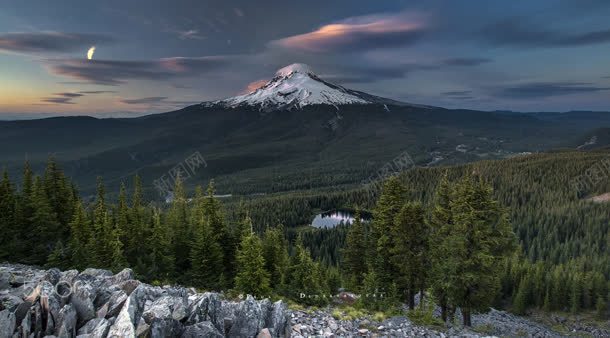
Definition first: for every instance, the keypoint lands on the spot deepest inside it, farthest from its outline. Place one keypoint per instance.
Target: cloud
(459, 95)
(145, 100)
(191, 34)
(159, 102)
(62, 98)
(238, 12)
(97, 91)
(358, 33)
(51, 42)
(518, 32)
(546, 89)
(254, 85)
(465, 62)
(373, 73)
(68, 97)
(113, 72)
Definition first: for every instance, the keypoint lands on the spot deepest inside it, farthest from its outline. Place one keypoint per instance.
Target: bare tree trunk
(466, 317)
(421, 299)
(411, 300)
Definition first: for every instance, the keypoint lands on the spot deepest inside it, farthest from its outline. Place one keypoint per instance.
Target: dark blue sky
(153, 56)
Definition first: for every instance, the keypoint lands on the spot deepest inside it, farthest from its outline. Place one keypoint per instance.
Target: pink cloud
(358, 33)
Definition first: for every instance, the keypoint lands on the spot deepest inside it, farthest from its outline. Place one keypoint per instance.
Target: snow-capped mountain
(296, 86)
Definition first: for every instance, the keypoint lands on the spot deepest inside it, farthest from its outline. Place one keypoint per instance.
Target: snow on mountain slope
(296, 86)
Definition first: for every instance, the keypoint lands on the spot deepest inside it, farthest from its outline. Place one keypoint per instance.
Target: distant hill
(296, 132)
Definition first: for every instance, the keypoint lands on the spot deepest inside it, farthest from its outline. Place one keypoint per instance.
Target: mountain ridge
(297, 86)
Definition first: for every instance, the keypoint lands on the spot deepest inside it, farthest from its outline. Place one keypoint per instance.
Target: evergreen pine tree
(60, 198)
(178, 220)
(251, 278)
(275, 253)
(601, 307)
(8, 225)
(524, 293)
(25, 232)
(97, 244)
(305, 284)
(122, 229)
(389, 204)
(441, 256)
(206, 256)
(482, 238)
(576, 294)
(46, 225)
(410, 251)
(354, 253)
(162, 261)
(80, 234)
(115, 247)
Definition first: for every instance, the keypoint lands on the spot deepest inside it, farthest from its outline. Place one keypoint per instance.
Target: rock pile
(321, 323)
(96, 303)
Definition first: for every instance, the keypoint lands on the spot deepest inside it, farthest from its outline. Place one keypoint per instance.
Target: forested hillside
(558, 261)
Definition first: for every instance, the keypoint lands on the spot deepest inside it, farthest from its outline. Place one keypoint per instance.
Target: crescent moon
(90, 53)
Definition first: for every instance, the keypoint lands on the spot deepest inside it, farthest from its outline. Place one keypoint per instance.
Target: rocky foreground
(96, 303)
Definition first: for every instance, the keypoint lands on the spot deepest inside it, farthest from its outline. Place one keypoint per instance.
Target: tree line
(191, 242)
(441, 231)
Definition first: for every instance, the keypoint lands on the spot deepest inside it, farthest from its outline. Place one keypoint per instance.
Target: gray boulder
(115, 303)
(201, 329)
(249, 320)
(165, 327)
(66, 323)
(7, 324)
(96, 273)
(279, 320)
(123, 276)
(206, 307)
(166, 307)
(10, 302)
(97, 327)
(128, 318)
(83, 296)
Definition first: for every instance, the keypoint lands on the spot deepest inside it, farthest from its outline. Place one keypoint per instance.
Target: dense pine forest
(512, 234)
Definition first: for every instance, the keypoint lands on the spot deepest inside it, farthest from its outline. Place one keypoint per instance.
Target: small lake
(332, 218)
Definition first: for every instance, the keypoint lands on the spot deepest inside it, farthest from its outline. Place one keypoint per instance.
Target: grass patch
(379, 316)
(424, 316)
(486, 329)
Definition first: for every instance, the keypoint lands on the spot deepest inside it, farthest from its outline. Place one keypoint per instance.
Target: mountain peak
(296, 86)
(294, 68)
